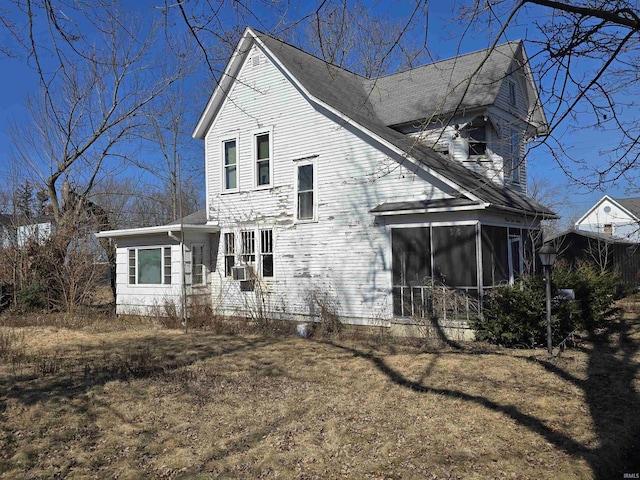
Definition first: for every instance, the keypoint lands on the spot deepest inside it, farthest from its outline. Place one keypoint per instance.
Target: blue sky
(18, 80)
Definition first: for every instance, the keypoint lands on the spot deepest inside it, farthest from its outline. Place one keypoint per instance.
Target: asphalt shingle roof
(351, 95)
(631, 204)
(455, 84)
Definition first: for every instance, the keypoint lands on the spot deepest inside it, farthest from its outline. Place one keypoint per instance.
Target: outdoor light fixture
(548, 256)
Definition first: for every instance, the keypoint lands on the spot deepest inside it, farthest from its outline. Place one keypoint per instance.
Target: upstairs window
(263, 159)
(515, 157)
(306, 192)
(477, 140)
(230, 165)
(512, 93)
(608, 229)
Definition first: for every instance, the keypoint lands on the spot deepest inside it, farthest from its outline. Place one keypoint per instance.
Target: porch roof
(427, 206)
(195, 222)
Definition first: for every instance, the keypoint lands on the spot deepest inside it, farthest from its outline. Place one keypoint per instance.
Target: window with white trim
(306, 201)
(515, 156)
(229, 253)
(477, 140)
(150, 266)
(512, 93)
(230, 164)
(197, 261)
(248, 247)
(266, 252)
(262, 152)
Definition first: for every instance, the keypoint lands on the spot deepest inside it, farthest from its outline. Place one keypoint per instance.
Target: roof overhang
(427, 206)
(169, 230)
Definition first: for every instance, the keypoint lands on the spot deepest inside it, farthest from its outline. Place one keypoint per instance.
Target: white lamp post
(548, 256)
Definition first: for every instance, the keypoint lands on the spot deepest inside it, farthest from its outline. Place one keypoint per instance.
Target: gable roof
(603, 237)
(457, 84)
(350, 96)
(629, 205)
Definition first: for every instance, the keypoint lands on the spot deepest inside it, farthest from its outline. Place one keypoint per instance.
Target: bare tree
(95, 94)
(353, 36)
(585, 55)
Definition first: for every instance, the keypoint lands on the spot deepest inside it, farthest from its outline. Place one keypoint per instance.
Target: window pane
(305, 177)
(150, 266)
(229, 243)
(230, 177)
(230, 153)
(229, 262)
(267, 265)
(167, 265)
(263, 146)
(305, 205)
(263, 173)
(132, 267)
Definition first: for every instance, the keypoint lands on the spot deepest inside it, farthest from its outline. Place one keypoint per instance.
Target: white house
(325, 187)
(17, 230)
(619, 217)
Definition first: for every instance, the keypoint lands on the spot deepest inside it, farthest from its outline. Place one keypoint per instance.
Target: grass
(130, 400)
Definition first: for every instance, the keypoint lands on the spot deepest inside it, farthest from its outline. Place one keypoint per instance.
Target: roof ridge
(259, 32)
(456, 57)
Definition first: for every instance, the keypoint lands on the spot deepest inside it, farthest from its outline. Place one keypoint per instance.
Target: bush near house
(515, 316)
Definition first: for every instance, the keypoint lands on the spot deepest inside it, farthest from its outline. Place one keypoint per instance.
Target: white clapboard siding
(344, 254)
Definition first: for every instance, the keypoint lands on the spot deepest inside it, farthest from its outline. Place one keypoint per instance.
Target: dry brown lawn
(144, 402)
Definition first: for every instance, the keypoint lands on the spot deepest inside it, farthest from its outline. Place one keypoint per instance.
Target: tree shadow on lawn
(609, 391)
(60, 377)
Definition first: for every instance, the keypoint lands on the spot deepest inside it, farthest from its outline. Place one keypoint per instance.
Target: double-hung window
(248, 238)
(150, 266)
(230, 164)
(229, 253)
(256, 252)
(477, 140)
(306, 201)
(515, 156)
(512, 93)
(197, 259)
(266, 252)
(262, 151)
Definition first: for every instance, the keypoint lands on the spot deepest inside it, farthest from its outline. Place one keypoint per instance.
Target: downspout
(183, 286)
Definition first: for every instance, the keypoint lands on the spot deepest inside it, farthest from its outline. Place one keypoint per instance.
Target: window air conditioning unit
(240, 272)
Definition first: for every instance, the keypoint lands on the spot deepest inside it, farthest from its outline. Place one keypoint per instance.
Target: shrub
(32, 297)
(516, 315)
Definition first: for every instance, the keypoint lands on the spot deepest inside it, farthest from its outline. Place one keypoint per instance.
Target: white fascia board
(168, 229)
(543, 129)
(224, 85)
(595, 206)
(432, 210)
(364, 130)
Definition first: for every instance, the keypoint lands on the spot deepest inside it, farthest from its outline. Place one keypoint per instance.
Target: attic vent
(256, 60)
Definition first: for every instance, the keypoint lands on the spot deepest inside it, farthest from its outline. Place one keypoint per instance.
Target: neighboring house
(17, 230)
(323, 189)
(603, 250)
(619, 217)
